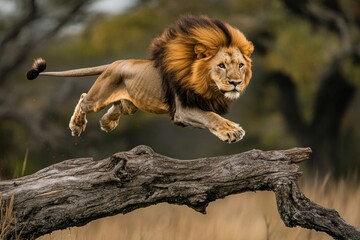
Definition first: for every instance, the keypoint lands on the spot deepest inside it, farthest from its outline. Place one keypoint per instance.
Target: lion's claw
(229, 132)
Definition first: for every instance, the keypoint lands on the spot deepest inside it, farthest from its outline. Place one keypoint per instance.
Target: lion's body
(142, 86)
(198, 67)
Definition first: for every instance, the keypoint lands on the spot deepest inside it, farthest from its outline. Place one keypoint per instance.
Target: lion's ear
(249, 49)
(200, 51)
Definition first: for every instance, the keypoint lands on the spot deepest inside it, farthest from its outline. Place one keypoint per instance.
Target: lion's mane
(184, 71)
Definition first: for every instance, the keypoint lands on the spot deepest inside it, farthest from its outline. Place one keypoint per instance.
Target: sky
(111, 6)
(8, 7)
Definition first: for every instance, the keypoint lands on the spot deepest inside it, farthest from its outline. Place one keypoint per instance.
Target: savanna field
(251, 215)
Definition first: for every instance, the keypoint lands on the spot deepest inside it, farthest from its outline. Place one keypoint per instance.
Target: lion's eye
(221, 65)
(241, 65)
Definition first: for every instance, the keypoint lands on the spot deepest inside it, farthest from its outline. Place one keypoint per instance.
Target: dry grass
(7, 218)
(244, 216)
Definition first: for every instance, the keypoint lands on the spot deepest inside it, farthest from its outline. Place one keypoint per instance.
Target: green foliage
(302, 52)
(352, 72)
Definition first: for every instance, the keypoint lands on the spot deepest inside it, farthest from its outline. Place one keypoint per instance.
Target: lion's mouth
(230, 92)
(232, 95)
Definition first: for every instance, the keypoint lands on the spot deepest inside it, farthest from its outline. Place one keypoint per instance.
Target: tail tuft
(38, 66)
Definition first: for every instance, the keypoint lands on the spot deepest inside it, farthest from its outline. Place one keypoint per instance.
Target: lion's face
(230, 72)
(206, 62)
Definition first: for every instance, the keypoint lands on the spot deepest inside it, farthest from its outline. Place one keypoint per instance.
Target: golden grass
(243, 216)
(7, 217)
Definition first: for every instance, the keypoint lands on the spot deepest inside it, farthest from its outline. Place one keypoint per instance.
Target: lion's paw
(108, 126)
(110, 120)
(77, 125)
(229, 132)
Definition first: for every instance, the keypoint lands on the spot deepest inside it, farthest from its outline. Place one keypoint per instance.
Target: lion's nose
(235, 83)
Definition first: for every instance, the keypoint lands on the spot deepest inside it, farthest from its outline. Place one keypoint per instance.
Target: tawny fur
(198, 67)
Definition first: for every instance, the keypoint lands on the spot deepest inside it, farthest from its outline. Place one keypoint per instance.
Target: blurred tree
(24, 25)
(337, 87)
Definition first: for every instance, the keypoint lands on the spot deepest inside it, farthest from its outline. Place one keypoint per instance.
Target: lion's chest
(216, 103)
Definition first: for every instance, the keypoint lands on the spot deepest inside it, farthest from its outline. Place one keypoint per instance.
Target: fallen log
(77, 191)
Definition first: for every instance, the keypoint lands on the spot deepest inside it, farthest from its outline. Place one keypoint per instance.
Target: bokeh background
(304, 93)
(304, 90)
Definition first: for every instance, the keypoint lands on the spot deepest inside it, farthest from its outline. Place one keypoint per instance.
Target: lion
(198, 67)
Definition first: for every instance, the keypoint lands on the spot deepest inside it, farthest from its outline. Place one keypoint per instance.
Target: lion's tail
(39, 67)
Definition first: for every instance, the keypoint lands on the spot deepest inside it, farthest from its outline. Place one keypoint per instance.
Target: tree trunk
(77, 191)
(322, 132)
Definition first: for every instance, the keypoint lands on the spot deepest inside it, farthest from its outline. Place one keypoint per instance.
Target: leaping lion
(198, 67)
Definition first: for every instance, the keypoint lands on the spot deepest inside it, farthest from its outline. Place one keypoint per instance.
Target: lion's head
(227, 71)
(205, 61)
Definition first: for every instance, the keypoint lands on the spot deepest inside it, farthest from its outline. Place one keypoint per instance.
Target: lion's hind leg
(111, 118)
(78, 120)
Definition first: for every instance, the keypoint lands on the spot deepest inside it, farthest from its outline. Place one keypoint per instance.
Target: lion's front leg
(78, 119)
(224, 129)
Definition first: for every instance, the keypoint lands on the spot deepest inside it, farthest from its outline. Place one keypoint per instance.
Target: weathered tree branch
(77, 191)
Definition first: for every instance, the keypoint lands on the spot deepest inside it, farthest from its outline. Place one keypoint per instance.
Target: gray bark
(77, 191)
